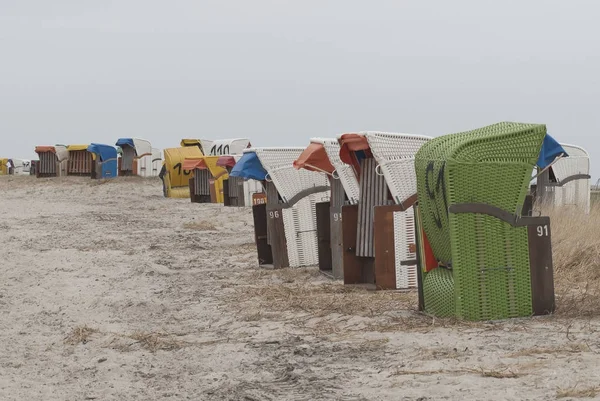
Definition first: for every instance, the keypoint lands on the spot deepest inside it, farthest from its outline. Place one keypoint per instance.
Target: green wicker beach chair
(486, 261)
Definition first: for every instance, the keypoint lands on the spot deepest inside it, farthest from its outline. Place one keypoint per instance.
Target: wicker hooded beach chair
(480, 257)
(378, 234)
(136, 157)
(290, 210)
(316, 157)
(173, 175)
(206, 184)
(567, 182)
(53, 161)
(236, 190)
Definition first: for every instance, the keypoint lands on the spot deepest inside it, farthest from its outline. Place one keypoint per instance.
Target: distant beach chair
(53, 161)
(567, 182)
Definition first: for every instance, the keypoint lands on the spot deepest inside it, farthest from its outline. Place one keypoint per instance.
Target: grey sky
(279, 72)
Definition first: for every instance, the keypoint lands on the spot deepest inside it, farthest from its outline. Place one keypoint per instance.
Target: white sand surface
(108, 291)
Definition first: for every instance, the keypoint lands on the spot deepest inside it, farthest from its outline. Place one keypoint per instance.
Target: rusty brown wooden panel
(541, 268)
(259, 198)
(385, 249)
(352, 263)
(263, 249)
(324, 236)
(276, 234)
(337, 251)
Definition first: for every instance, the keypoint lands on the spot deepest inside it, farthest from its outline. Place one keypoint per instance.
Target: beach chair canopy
(227, 161)
(314, 158)
(75, 148)
(249, 167)
(108, 159)
(60, 151)
(142, 147)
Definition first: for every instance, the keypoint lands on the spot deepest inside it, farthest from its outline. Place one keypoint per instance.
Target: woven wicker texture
(438, 291)
(300, 221)
(278, 162)
(395, 154)
(404, 236)
(577, 192)
(342, 170)
(489, 258)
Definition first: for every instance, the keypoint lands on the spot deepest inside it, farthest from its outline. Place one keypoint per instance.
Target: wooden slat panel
(238, 190)
(541, 268)
(373, 192)
(352, 263)
(276, 234)
(324, 236)
(48, 165)
(226, 195)
(263, 249)
(385, 249)
(337, 250)
(80, 163)
(202, 185)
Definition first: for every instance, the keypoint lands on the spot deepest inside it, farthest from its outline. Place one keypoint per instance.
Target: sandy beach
(109, 291)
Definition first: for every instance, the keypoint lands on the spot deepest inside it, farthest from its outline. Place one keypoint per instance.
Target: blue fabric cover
(108, 157)
(125, 141)
(249, 167)
(550, 151)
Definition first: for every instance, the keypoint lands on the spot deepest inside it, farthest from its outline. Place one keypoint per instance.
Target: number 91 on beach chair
(480, 256)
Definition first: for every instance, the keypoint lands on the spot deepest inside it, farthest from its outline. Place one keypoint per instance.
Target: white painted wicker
(343, 171)
(404, 235)
(575, 192)
(395, 154)
(300, 220)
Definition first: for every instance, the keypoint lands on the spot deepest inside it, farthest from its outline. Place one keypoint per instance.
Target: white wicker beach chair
(573, 180)
(300, 219)
(395, 155)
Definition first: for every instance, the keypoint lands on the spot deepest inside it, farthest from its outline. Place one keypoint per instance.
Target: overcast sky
(280, 72)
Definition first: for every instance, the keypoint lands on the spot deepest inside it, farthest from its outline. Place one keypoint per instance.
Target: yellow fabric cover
(176, 179)
(219, 174)
(190, 142)
(3, 168)
(77, 147)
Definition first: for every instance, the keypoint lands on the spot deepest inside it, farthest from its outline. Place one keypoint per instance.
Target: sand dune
(109, 291)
